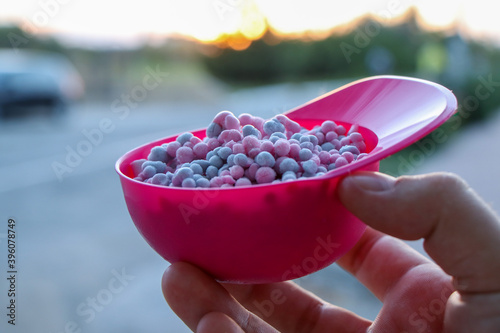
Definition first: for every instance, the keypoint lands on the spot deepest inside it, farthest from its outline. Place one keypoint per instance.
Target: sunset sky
(104, 22)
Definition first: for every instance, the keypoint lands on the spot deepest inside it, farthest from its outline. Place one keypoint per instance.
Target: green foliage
(337, 56)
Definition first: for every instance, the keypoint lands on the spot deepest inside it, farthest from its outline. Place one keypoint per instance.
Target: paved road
(81, 262)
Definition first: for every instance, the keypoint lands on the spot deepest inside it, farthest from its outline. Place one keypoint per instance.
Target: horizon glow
(116, 23)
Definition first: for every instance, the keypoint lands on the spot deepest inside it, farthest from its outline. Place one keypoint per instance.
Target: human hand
(460, 292)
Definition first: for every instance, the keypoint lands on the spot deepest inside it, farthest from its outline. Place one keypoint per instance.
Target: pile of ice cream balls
(248, 150)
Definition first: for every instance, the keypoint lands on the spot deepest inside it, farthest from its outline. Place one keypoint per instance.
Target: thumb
(462, 233)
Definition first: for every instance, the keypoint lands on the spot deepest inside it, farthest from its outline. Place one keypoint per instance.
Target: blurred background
(82, 82)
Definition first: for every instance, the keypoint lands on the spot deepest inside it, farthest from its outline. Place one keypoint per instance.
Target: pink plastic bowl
(276, 232)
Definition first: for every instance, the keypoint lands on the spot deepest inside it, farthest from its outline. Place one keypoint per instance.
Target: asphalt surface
(81, 264)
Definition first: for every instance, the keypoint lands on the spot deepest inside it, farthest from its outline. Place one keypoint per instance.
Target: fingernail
(375, 182)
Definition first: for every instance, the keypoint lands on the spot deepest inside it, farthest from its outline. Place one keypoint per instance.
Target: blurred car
(34, 79)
